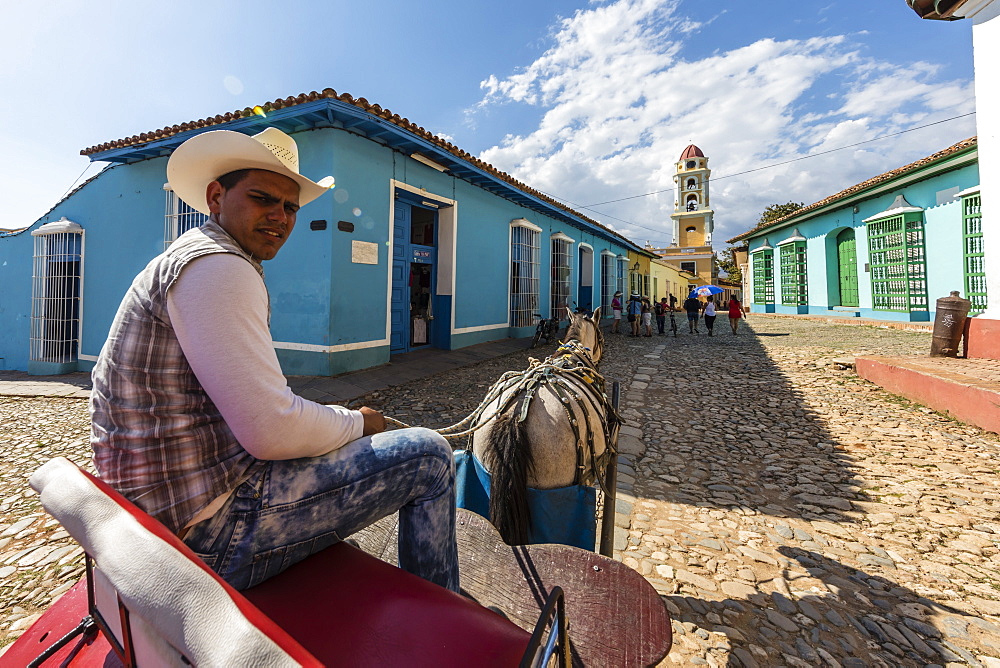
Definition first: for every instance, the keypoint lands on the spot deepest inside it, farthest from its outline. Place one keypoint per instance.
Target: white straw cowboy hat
(205, 157)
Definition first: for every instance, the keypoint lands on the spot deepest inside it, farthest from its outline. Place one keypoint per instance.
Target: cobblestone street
(790, 513)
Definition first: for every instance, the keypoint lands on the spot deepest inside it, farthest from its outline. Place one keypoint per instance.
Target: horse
(550, 426)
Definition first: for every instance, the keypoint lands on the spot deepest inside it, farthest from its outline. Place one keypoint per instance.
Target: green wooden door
(847, 262)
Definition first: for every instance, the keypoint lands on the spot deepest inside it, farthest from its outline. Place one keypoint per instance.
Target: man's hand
(374, 422)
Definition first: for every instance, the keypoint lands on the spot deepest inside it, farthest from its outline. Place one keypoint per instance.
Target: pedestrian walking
(616, 310)
(735, 314)
(693, 308)
(634, 312)
(673, 303)
(710, 315)
(647, 317)
(660, 311)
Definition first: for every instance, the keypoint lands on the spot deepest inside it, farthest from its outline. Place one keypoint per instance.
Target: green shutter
(763, 277)
(897, 262)
(794, 291)
(972, 238)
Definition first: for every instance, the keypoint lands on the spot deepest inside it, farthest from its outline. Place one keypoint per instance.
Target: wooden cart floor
(615, 616)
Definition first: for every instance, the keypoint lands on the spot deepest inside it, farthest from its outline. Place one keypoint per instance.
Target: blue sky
(586, 101)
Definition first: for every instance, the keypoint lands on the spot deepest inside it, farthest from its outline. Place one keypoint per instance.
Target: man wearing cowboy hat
(192, 417)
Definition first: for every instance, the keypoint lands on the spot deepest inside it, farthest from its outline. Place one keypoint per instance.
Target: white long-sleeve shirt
(218, 308)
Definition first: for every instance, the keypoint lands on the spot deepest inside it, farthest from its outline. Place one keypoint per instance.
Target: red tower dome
(692, 151)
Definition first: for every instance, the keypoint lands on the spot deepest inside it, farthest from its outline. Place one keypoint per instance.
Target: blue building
(885, 248)
(420, 244)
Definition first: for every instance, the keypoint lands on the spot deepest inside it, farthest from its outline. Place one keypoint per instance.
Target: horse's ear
(569, 314)
(597, 316)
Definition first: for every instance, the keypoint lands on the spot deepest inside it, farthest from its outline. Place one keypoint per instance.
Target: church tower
(692, 214)
(692, 218)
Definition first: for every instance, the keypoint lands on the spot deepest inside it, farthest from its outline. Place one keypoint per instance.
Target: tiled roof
(360, 103)
(936, 9)
(864, 185)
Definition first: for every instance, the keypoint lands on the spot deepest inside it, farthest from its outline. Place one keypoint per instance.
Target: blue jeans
(288, 510)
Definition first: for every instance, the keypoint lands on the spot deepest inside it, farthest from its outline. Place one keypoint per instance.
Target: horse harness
(571, 375)
(573, 362)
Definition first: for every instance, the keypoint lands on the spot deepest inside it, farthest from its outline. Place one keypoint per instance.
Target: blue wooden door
(399, 330)
(585, 292)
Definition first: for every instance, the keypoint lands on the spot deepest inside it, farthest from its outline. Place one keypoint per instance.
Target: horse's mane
(575, 329)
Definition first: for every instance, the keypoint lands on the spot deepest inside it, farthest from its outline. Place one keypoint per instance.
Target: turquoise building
(885, 249)
(419, 244)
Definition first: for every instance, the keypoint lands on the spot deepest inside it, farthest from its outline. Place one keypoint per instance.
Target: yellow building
(668, 279)
(639, 273)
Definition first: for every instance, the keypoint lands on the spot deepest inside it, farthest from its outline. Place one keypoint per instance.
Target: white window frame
(621, 272)
(524, 288)
(178, 217)
(561, 271)
(56, 340)
(608, 283)
(586, 270)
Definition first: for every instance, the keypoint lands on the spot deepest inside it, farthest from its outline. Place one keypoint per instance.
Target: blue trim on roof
(333, 113)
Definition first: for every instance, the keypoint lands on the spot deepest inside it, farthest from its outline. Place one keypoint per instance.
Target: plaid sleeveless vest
(157, 436)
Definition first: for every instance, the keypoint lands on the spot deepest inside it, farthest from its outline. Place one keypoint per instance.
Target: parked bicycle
(547, 328)
(673, 323)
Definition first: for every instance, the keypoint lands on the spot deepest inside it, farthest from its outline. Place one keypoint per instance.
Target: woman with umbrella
(710, 315)
(709, 308)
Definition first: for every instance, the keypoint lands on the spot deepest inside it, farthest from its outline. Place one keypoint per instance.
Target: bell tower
(691, 250)
(692, 216)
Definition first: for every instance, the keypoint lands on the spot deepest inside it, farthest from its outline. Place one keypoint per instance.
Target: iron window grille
(524, 274)
(56, 293)
(763, 277)
(560, 276)
(608, 283)
(620, 274)
(178, 217)
(975, 261)
(897, 262)
(794, 287)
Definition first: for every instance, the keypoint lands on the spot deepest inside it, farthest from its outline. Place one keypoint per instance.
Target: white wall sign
(364, 252)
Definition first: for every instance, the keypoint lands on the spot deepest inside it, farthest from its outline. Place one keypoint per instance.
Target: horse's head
(586, 330)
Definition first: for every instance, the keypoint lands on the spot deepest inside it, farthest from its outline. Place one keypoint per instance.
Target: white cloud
(619, 104)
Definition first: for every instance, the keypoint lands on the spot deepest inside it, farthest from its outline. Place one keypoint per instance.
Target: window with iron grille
(178, 218)
(897, 262)
(608, 282)
(634, 280)
(524, 274)
(645, 285)
(689, 266)
(56, 292)
(763, 277)
(794, 290)
(620, 274)
(561, 246)
(972, 236)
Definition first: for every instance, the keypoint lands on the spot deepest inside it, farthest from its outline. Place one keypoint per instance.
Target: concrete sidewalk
(835, 319)
(341, 389)
(966, 389)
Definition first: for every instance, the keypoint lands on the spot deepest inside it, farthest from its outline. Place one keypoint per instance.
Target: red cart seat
(164, 606)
